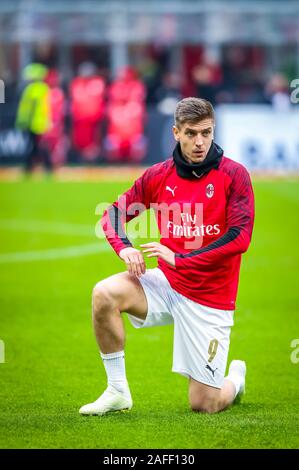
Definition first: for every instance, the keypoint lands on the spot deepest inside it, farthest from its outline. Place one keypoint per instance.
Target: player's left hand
(161, 251)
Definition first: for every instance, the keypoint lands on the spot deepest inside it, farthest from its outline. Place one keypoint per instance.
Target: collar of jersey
(197, 170)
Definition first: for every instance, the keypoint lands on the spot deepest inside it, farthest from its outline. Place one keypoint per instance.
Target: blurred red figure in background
(127, 87)
(87, 109)
(126, 112)
(207, 77)
(54, 141)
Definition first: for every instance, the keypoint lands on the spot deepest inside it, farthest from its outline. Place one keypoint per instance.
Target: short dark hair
(193, 110)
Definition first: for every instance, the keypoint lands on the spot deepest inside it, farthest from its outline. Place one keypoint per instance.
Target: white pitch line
(41, 226)
(54, 253)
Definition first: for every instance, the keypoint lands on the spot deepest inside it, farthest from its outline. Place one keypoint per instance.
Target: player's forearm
(234, 242)
(113, 229)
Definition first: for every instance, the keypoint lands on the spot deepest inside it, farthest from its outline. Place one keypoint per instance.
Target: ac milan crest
(210, 190)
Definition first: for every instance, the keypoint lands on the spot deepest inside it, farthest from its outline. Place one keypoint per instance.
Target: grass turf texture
(52, 365)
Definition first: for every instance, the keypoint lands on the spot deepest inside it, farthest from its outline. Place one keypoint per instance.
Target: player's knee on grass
(204, 406)
(203, 398)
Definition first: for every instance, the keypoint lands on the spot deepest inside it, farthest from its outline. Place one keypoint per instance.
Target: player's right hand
(134, 260)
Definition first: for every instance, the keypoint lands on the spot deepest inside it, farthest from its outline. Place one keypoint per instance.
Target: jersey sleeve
(128, 206)
(239, 224)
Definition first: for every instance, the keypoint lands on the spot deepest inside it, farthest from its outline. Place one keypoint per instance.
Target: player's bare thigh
(125, 290)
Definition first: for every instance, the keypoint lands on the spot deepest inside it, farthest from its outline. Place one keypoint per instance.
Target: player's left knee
(205, 406)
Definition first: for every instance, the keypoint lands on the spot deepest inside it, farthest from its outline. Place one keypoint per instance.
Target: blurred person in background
(33, 114)
(54, 141)
(169, 93)
(243, 69)
(87, 92)
(208, 78)
(277, 92)
(125, 140)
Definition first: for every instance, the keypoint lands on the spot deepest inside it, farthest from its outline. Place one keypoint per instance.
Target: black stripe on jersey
(115, 220)
(228, 237)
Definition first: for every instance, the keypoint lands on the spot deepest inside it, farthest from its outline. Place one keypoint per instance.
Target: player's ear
(176, 133)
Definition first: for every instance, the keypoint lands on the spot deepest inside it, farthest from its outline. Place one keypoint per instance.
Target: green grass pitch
(50, 259)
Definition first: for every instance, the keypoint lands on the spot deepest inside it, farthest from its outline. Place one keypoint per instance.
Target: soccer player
(199, 254)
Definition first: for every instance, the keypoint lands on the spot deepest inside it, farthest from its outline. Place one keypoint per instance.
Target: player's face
(195, 139)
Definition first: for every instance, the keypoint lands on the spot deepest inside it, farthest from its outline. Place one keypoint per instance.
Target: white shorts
(201, 334)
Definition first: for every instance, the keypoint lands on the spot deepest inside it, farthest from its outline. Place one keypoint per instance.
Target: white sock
(236, 380)
(114, 364)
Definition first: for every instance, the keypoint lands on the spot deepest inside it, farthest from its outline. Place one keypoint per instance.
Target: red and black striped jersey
(207, 222)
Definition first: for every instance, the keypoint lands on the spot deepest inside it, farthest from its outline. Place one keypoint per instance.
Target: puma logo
(211, 370)
(171, 190)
